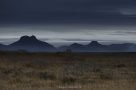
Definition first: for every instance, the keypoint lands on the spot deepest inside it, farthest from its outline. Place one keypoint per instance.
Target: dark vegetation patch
(121, 65)
(69, 80)
(47, 76)
(105, 76)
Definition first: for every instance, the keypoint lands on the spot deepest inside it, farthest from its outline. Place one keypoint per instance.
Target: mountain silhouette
(31, 43)
(94, 43)
(74, 47)
(95, 46)
(3, 47)
(125, 47)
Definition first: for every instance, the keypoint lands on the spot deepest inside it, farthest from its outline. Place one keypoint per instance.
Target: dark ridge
(32, 44)
(94, 43)
(26, 38)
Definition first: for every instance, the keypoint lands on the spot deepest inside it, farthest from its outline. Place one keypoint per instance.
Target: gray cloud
(68, 11)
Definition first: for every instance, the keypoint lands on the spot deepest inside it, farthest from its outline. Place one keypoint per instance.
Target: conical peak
(24, 38)
(33, 37)
(94, 43)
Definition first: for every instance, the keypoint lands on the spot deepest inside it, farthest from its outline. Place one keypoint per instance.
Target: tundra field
(67, 71)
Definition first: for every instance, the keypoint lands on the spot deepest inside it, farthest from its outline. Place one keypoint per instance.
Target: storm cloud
(69, 11)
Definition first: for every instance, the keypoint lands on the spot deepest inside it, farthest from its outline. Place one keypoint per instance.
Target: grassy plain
(67, 71)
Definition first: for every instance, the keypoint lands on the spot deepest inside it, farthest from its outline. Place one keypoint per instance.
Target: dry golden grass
(67, 71)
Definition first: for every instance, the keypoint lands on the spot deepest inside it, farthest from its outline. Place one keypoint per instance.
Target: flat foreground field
(67, 71)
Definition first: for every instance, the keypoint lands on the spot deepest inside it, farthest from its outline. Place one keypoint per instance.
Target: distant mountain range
(32, 44)
(94, 46)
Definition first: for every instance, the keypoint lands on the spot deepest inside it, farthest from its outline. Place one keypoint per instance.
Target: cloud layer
(68, 11)
(59, 35)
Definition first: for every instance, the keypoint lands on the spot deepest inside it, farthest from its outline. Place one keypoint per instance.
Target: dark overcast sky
(68, 11)
(68, 20)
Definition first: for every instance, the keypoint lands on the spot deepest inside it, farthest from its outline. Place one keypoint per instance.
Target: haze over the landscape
(67, 21)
